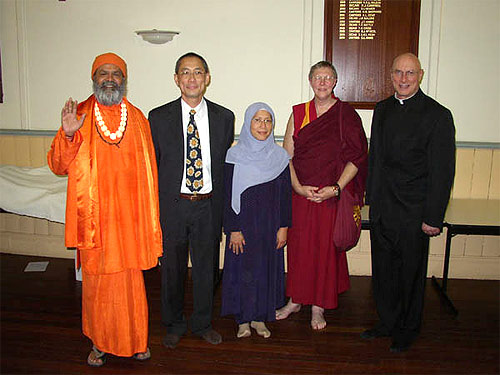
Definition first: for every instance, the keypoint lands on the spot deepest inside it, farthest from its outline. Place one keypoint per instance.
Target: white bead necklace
(104, 129)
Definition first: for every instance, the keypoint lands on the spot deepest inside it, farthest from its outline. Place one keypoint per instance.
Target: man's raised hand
(69, 121)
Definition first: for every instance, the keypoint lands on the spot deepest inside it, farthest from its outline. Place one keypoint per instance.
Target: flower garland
(101, 125)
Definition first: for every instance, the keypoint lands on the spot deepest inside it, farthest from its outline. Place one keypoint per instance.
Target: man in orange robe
(104, 146)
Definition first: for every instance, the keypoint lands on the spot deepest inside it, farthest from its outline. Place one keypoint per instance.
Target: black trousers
(399, 267)
(194, 234)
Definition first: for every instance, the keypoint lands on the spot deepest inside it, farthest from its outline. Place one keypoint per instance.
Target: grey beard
(109, 96)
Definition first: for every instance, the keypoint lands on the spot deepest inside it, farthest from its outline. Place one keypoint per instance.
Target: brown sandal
(96, 358)
(144, 356)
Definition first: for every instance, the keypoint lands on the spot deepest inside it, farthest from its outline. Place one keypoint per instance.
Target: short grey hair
(322, 64)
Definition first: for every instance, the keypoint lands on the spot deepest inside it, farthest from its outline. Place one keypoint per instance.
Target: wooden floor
(41, 333)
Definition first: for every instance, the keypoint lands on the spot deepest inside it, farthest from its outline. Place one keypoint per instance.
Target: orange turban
(109, 58)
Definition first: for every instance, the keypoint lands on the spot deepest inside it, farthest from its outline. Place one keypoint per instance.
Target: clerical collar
(402, 101)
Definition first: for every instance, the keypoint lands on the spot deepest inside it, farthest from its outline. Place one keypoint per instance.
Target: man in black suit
(411, 171)
(191, 194)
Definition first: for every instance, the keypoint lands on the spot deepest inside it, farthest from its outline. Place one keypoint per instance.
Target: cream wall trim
(23, 58)
(278, 138)
(312, 42)
(477, 174)
(494, 192)
(492, 145)
(40, 237)
(35, 133)
(24, 151)
(307, 36)
(31, 236)
(429, 53)
(476, 267)
(29, 148)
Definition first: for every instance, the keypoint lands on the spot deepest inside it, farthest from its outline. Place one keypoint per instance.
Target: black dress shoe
(171, 340)
(373, 333)
(212, 337)
(399, 346)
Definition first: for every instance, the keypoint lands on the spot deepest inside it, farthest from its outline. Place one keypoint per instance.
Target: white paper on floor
(36, 267)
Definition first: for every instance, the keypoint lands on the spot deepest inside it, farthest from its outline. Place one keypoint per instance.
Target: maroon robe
(317, 273)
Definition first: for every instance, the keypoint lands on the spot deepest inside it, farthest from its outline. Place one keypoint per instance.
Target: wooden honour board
(362, 38)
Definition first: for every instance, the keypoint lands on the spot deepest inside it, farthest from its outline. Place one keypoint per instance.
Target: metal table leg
(443, 288)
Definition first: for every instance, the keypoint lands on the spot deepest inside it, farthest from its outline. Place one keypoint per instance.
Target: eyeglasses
(409, 73)
(265, 121)
(327, 79)
(188, 73)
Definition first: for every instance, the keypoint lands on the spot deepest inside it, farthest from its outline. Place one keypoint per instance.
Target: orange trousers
(115, 312)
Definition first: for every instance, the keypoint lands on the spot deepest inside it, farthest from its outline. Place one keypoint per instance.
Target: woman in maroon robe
(328, 146)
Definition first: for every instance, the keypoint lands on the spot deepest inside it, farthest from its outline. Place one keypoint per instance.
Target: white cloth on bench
(33, 192)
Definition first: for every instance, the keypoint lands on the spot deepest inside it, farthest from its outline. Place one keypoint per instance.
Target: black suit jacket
(168, 139)
(411, 161)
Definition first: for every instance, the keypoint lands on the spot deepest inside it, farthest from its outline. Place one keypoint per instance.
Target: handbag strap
(341, 125)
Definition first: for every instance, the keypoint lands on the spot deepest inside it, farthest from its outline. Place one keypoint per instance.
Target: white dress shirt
(201, 119)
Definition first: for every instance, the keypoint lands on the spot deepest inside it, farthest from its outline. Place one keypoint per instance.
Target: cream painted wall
(469, 65)
(254, 50)
(257, 50)
(10, 109)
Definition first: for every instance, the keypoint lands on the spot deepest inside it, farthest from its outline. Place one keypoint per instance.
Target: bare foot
(317, 320)
(289, 308)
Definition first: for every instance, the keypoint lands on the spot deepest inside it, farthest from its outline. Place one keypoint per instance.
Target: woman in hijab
(256, 219)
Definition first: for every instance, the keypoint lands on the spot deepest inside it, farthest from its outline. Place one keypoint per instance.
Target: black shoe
(399, 346)
(171, 340)
(212, 337)
(373, 333)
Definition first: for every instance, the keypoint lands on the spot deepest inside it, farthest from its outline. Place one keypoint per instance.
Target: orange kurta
(112, 218)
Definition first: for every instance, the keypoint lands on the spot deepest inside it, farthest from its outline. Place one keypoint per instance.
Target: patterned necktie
(194, 164)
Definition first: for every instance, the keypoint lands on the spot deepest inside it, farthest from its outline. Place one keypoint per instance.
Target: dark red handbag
(347, 227)
(348, 220)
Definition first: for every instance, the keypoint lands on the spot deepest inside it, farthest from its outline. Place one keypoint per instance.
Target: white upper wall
(469, 65)
(253, 48)
(257, 50)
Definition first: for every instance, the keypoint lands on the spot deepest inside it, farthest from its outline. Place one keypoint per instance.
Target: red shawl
(322, 147)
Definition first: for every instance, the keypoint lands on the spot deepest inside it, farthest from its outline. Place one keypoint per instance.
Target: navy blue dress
(253, 284)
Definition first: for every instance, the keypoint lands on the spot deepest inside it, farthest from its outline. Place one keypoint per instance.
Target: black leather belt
(195, 196)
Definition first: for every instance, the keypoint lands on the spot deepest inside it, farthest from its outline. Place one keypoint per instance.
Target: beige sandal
(243, 330)
(261, 329)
